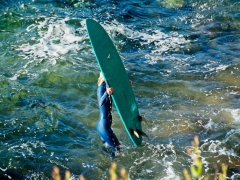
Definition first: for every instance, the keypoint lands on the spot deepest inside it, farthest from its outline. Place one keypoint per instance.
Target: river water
(183, 57)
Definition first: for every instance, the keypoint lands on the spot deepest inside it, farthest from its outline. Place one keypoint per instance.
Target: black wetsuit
(105, 120)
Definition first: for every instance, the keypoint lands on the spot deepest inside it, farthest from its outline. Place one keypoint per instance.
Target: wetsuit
(105, 120)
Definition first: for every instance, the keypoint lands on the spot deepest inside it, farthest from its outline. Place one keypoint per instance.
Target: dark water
(183, 59)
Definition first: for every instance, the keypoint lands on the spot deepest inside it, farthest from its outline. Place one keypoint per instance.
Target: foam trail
(53, 39)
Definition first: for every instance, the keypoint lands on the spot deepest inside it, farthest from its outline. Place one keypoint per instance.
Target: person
(109, 139)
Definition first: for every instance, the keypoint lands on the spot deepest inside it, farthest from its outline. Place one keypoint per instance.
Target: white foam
(232, 114)
(209, 125)
(157, 155)
(219, 68)
(162, 42)
(235, 114)
(59, 39)
(53, 38)
(216, 146)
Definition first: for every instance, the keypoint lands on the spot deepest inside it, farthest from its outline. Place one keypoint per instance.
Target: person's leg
(107, 135)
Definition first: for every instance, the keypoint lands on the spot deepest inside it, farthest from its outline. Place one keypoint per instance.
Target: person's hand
(110, 90)
(130, 81)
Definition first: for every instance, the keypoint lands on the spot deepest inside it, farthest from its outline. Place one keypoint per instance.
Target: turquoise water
(183, 59)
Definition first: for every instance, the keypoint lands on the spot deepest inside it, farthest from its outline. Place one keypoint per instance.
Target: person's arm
(108, 91)
(103, 98)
